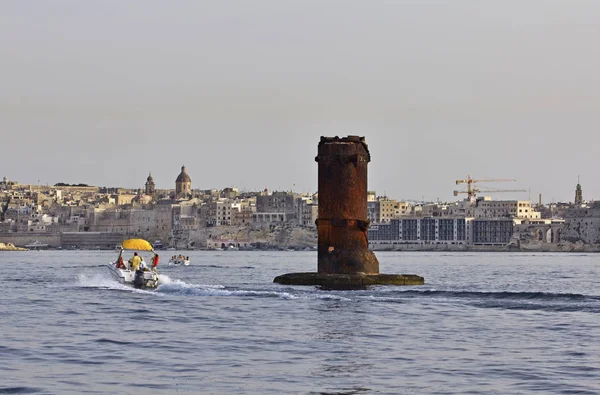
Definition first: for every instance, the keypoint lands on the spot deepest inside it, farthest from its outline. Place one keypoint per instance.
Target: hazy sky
(102, 92)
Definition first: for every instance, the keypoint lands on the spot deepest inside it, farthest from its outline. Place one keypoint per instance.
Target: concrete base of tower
(348, 281)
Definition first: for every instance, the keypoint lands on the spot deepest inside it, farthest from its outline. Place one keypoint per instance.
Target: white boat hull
(179, 262)
(126, 276)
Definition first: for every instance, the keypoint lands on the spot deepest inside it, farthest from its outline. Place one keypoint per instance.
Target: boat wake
(546, 301)
(178, 287)
(99, 281)
(169, 286)
(105, 281)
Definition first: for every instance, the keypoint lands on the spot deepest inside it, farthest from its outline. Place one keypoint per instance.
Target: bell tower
(578, 193)
(150, 186)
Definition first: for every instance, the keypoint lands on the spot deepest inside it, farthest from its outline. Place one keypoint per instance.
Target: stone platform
(348, 281)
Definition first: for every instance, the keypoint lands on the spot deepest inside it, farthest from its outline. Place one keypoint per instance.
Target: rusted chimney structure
(343, 223)
(344, 260)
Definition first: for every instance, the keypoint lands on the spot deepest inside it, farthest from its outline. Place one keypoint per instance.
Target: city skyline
(477, 190)
(103, 93)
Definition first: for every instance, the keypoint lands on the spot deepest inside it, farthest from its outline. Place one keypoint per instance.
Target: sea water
(502, 323)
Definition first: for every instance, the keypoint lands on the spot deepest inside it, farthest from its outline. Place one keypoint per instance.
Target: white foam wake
(106, 281)
(179, 287)
(100, 280)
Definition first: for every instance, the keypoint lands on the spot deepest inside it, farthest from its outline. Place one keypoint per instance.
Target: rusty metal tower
(342, 224)
(343, 257)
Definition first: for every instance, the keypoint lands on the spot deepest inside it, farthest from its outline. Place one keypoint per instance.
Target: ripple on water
(19, 390)
(482, 323)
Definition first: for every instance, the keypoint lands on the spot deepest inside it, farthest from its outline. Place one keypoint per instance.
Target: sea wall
(21, 239)
(524, 247)
(585, 227)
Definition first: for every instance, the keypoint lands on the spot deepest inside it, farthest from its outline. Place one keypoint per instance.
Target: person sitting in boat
(143, 265)
(134, 262)
(120, 263)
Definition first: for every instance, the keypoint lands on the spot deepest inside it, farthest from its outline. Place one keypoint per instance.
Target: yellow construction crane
(471, 190)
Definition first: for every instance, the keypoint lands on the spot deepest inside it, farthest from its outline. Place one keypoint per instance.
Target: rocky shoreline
(11, 247)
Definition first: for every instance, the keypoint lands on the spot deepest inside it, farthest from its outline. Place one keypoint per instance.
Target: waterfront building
(383, 209)
(436, 230)
(38, 222)
(487, 208)
(277, 202)
(422, 230)
(491, 231)
(183, 185)
(219, 212)
(241, 212)
(275, 205)
(141, 222)
(306, 211)
(76, 222)
(373, 211)
(309, 214)
(462, 208)
(270, 218)
(163, 217)
(435, 210)
(242, 215)
(387, 209)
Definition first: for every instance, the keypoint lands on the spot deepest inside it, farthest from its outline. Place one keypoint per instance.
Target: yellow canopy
(136, 244)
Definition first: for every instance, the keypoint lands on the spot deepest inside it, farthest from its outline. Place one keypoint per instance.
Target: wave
(545, 296)
(19, 390)
(113, 341)
(328, 297)
(547, 301)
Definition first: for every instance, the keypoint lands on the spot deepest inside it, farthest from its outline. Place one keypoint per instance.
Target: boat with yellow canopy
(135, 271)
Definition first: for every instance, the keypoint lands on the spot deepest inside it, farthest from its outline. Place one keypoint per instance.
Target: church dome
(149, 179)
(183, 176)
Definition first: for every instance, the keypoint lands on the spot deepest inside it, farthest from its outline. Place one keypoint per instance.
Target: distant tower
(578, 193)
(183, 185)
(150, 186)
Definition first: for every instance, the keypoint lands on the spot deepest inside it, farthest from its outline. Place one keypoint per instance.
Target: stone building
(277, 203)
(487, 208)
(583, 225)
(220, 212)
(183, 185)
